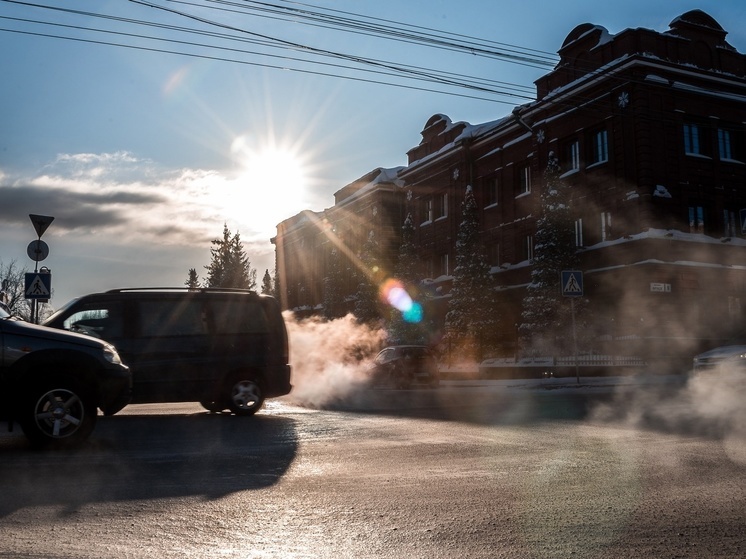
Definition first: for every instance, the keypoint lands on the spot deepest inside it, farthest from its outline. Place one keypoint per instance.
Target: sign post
(38, 285)
(571, 283)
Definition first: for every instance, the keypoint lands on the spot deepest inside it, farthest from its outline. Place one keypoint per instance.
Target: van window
(103, 320)
(238, 317)
(165, 318)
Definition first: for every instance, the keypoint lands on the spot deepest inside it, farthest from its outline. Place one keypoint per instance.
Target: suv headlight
(111, 355)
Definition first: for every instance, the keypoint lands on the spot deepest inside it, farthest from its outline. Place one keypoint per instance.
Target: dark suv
(405, 365)
(224, 348)
(51, 382)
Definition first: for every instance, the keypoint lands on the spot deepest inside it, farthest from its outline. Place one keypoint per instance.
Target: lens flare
(394, 293)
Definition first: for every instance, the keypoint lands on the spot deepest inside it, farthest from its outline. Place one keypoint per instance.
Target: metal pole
(575, 340)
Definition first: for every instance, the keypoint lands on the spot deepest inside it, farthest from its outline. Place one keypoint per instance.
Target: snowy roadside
(469, 378)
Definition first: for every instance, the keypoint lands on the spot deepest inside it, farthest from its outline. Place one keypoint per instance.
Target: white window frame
(428, 210)
(574, 153)
(525, 179)
(605, 226)
(725, 144)
(600, 146)
(442, 205)
(692, 144)
(696, 219)
(579, 232)
(530, 248)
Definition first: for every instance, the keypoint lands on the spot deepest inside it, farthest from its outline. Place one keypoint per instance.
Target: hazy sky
(142, 153)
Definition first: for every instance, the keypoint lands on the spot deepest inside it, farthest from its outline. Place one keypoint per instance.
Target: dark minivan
(224, 348)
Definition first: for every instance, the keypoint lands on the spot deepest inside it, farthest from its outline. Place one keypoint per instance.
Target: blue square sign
(38, 286)
(572, 283)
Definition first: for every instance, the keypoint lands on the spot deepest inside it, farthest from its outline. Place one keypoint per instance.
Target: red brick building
(649, 128)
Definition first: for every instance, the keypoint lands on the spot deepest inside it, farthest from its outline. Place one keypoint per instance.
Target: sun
(277, 169)
(271, 183)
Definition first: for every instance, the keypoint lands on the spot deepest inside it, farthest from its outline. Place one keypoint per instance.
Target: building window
(524, 179)
(725, 146)
(696, 219)
(528, 248)
(691, 139)
(427, 210)
(730, 145)
(572, 156)
(491, 193)
(579, 232)
(695, 140)
(442, 205)
(605, 226)
(600, 146)
(444, 268)
(729, 223)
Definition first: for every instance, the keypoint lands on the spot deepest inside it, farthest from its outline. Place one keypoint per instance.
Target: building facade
(649, 128)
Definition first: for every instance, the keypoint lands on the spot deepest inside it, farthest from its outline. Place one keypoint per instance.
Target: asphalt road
(467, 470)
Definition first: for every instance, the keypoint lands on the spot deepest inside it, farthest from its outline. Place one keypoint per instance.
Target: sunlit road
(472, 470)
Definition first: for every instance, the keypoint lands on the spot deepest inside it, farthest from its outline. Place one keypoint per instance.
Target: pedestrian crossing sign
(572, 283)
(38, 286)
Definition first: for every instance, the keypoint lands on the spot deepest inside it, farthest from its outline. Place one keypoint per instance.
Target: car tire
(245, 395)
(214, 407)
(58, 413)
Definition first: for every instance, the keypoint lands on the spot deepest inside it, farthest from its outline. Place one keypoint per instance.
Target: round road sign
(37, 250)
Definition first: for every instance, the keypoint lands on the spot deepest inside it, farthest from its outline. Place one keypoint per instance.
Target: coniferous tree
(545, 315)
(472, 323)
(366, 301)
(407, 329)
(230, 266)
(276, 285)
(192, 281)
(267, 288)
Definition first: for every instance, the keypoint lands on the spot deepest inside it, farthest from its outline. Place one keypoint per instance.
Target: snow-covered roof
(368, 183)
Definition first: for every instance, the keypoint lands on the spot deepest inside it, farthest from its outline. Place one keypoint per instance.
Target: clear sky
(142, 153)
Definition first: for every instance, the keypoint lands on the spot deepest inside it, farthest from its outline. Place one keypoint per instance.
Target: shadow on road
(150, 457)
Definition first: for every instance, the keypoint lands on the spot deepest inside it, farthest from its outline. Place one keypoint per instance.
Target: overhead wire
(449, 79)
(408, 70)
(259, 64)
(400, 32)
(482, 89)
(579, 102)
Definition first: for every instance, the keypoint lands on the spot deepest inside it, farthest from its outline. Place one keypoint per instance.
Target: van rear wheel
(245, 396)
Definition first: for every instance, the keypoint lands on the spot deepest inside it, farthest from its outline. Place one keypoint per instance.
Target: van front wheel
(246, 396)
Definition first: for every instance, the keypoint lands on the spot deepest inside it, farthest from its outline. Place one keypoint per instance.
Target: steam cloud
(329, 358)
(707, 404)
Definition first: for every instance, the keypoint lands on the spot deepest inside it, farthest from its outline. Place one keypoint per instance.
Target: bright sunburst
(271, 183)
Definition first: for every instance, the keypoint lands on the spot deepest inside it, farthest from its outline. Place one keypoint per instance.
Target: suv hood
(19, 327)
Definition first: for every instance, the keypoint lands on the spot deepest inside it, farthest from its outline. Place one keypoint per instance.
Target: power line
(414, 71)
(431, 37)
(480, 88)
(448, 79)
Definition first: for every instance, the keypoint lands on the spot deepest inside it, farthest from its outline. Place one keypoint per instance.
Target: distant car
(51, 382)
(405, 365)
(224, 348)
(726, 358)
